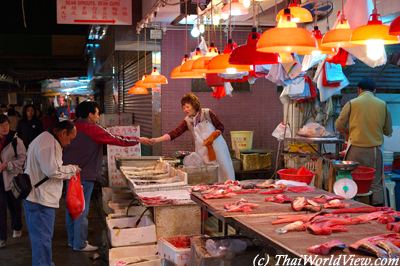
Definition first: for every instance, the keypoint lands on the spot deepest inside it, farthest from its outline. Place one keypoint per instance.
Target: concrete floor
(18, 253)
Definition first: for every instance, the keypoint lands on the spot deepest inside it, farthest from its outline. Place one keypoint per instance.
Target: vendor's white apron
(202, 131)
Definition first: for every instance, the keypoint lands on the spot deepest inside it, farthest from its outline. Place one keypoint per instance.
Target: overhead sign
(104, 12)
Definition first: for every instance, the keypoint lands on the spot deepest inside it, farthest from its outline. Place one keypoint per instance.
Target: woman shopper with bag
(207, 131)
(12, 155)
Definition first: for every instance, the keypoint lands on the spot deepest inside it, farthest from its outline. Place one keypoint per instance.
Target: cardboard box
(122, 256)
(256, 160)
(121, 231)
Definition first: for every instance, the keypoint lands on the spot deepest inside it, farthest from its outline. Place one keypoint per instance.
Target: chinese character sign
(115, 178)
(105, 12)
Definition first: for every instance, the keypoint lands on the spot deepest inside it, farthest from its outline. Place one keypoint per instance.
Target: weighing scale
(344, 185)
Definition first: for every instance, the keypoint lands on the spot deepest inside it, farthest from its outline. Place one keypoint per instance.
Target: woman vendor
(207, 132)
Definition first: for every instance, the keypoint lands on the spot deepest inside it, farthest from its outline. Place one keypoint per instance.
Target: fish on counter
(299, 203)
(248, 191)
(394, 226)
(241, 205)
(366, 209)
(392, 250)
(274, 191)
(327, 247)
(269, 183)
(156, 201)
(283, 219)
(369, 248)
(387, 218)
(292, 227)
(279, 198)
(323, 198)
(218, 194)
(300, 189)
(336, 204)
(381, 246)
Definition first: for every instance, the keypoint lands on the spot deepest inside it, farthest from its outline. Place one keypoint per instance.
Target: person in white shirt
(44, 161)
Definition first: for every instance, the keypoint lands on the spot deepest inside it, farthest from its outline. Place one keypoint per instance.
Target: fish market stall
(302, 220)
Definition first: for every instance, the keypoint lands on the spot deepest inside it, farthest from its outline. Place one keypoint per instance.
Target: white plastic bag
(313, 130)
(279, 131)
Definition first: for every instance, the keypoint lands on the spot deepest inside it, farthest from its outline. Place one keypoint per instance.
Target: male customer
(365, 120)
(87, 152)
(44, 161)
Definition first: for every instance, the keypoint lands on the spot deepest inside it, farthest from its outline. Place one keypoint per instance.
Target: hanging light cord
(186, 28)
(23, 13)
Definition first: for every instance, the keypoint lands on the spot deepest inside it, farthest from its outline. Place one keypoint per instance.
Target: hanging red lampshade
(220, 63)
(140, 83)
(318, 38)
(299, 14)
(247, 54)
(287, 38)
(155, 77)
(234, 8)
(374, 35)
(339, 36)
(176, 72)
(138, 91)
(186, 68)
(374, 30)
(201, 65)
(394, 28)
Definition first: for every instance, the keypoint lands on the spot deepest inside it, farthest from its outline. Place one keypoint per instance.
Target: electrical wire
(23, 13)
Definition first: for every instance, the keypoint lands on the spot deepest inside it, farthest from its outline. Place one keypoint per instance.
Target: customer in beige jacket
(12, 159)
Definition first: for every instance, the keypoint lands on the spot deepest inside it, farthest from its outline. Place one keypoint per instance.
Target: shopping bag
(75, 198)
(282, 131)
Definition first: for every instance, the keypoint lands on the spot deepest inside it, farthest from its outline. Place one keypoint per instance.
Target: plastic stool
(361, 197)
(391, 197)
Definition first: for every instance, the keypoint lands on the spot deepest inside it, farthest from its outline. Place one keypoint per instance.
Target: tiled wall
(259, 110)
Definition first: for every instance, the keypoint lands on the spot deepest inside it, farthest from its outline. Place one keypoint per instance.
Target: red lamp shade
(201, 65)
(394, 28)
(338, 37)
(374, 30)
(318, 38)
(138, 91)
(247, 54)
(220, 63)
(300, 14)
(287, 38)
(140, 83)
(155, 77)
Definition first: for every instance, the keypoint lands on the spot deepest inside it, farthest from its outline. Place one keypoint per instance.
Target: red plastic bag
(75, 197)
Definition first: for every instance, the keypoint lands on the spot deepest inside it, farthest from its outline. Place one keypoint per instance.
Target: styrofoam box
(145, 233)
(117, 256)
(179, 256)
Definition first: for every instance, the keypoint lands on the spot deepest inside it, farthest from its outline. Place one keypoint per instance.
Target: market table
(257, 224)
(295, 244)
(216, 206)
